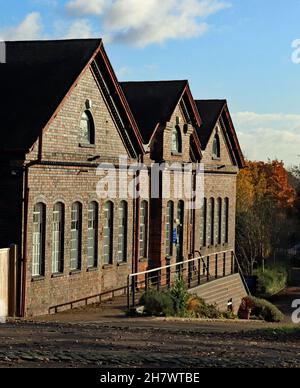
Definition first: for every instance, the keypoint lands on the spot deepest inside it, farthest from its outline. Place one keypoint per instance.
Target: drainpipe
(194, 213)
(137, 204)
(25, 225)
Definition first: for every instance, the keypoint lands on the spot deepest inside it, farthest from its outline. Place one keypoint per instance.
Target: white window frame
(58, 238)
(38, 239)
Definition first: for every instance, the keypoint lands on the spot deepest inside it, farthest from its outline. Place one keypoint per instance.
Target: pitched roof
(152, 103)
(209, 111)
(34, 80)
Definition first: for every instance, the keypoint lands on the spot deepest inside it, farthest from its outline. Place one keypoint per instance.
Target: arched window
(92, 248)
(225, 222)
(211, 222)
(169, 228)
(216, 147)
(87, 128)
(108, 234)
(176, 140)
(203, 223)
(144, 230)
(76, 233)
(123, 228)
(218, 222)
(58, 238)
(38, 240)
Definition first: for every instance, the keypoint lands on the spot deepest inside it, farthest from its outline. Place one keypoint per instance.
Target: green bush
(199, 309)
(180, 296)
(158, 303)
(264, 310)
(271, 281)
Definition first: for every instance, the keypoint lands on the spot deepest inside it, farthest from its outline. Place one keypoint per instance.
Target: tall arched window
(144, 230)
(211, 222)
(123, 228)
(92, 248)
(176, 140)
(216, 147)
(108, 234)
(87, 128)
(58, 238)
(169, 228)
(218, 222)
(38, 240)
(76, 233)
(225, 222)
(203, 222)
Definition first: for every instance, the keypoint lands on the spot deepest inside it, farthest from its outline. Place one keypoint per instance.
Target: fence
(194, 272)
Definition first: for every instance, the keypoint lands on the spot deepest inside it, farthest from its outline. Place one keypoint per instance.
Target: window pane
(225, 222)
(58, 238)
(169, 229)
(203, 222)
(76, 226)
(122, 240)
(87, 134)
(38, 238)
(92, 245)
(144, 229)
(108, 233)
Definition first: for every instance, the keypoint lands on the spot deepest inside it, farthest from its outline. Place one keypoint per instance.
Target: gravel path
(102, 338)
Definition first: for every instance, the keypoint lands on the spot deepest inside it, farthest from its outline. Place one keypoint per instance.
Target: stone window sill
(176, 153)
(57, 275)
(122, 264)
(75, 272)
(92, 269)
(107, 266)
(143, 260)
(37, 278)
(86, 145)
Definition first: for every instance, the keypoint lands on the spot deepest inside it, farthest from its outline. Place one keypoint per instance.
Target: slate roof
(152, 103)
(34, 80)
(209, 111)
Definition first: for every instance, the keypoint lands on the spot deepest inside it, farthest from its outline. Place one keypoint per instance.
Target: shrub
(158, 303)
(180, 296)
(262, 309)
(271, 281)
(197, 307)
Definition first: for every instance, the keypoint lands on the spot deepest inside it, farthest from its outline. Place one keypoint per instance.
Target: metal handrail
(175, 264)
(133, 282)
(242, 274)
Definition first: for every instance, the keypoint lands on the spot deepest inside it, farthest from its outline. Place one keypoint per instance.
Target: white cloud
(29, 29)
(149, 21)
(264, 136)
(79, 29)
(86, 7)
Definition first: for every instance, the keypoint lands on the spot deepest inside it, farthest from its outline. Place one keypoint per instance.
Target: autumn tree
(264, 199)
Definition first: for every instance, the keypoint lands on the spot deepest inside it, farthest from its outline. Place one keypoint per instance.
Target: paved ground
(97, 339)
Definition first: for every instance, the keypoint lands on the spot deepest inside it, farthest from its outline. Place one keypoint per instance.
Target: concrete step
(220, 291)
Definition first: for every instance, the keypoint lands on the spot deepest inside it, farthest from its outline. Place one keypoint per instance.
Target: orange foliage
(265, 180)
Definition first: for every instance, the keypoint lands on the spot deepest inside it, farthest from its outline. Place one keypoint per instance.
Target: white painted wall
(4, 268)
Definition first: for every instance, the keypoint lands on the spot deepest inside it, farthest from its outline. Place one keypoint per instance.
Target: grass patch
(271, 281)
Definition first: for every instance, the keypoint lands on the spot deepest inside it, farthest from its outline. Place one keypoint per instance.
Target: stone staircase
(229, 289)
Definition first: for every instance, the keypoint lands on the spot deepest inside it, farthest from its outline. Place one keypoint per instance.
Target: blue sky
(234, 49)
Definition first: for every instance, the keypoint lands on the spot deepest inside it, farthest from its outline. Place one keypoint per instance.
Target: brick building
(64, 113)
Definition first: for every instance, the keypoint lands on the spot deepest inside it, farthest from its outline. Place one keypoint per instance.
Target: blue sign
(175, 236)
